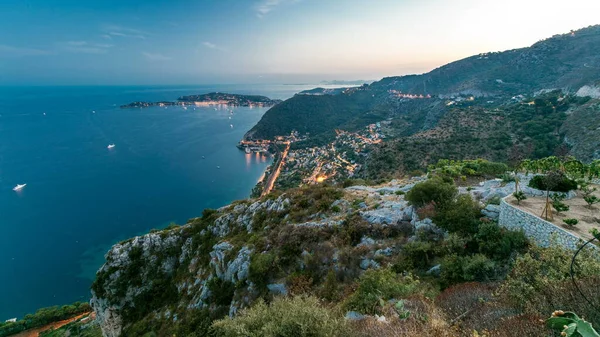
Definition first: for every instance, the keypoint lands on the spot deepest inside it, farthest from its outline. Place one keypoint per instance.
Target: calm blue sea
(81, 197)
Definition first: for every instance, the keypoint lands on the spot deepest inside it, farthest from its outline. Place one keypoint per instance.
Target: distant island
(344, 82)
(213, 98)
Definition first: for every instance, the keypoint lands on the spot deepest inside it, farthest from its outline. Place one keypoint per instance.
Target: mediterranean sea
(168, 164)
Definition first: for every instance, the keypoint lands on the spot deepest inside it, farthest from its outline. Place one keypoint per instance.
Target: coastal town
(296, 166)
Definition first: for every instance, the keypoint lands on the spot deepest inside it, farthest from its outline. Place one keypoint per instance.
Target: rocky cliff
(225, 260)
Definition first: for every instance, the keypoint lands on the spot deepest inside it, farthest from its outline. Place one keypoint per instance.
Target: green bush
(457, 269)
(540, 281)
(571, 222)
(460, 215)
(377, 286)
(416, 254)
(499, 243)
(562, 185)
(260, 269)
(284, 317)
(433, 190)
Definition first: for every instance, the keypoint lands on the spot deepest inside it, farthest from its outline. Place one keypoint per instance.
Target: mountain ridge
(567, 61)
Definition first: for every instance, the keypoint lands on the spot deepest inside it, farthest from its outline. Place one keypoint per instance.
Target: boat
(248, 150)
(231, 125)
(218, 167)
(110, 146)
(19, 187)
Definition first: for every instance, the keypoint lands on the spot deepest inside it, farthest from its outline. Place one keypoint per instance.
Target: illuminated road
(275, 174)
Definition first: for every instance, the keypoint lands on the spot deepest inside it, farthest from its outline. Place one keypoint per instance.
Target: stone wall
(536, 229)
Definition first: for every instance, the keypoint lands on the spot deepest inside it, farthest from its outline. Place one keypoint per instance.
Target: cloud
(156, 56)
(120, 31)
(6, 50)
(211, 45)
(85, 47)
(266, 6)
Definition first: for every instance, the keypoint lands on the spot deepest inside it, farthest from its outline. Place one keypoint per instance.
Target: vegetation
(468, 168)
(376, 287)
(564, 184)
(570, 222)
(520, 196)
(437, 191)
(43, 317)
(78, 329)
(284, 317)
(570, 325)
(557, 203)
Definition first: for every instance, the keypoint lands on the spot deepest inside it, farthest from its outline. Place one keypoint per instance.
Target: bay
(81, 197)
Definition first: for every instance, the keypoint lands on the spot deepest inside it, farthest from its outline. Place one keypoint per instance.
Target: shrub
(557, 203)
(221, 291)
(377, 286)
(499, 243)
(540, 281)
(284, 317)
(591, 200)
(460, 298)
(494, 200)
(460, 215)
(433, 190)
(561, 184)
(520, 196)
(571, 222)
(457, 269)
(260, 269)
(416, 254)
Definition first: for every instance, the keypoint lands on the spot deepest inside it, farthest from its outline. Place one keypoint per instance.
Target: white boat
(19, 187)
(110, 146)
(231, 125)
(248, 150)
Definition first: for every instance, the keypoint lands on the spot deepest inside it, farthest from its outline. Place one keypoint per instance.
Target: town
(298, 166)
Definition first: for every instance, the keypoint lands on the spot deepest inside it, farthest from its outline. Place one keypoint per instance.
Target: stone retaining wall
(536, 229)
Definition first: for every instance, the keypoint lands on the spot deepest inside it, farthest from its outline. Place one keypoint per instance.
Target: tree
(557, 203)
(434, 190)
(571, 222)
(460, 215)
(591, 200)
(520, 196)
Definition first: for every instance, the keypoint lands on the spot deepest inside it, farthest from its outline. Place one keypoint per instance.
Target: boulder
(354, 316)
(277, 288)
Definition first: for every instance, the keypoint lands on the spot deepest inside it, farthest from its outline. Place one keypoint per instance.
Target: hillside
(322, 253)
(567, 62)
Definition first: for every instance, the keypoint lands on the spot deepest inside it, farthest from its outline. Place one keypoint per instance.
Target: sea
(167, 165)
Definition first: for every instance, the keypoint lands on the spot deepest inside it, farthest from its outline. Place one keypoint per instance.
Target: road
(275, 174)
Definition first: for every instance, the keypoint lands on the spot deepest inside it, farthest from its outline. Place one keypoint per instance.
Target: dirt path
(36, 332)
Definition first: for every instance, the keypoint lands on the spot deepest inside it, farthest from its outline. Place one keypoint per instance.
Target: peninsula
(213, 98)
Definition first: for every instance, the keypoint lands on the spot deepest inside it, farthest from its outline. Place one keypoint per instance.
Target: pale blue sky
(247, 41)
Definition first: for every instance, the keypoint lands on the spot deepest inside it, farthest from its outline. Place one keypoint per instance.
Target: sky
(98, 42)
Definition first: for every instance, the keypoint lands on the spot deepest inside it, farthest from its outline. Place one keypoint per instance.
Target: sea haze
(81, 197)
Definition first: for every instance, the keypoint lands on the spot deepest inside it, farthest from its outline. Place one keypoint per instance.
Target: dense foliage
(563, 184)
(43, 317)
(285, 317)
(505, 133)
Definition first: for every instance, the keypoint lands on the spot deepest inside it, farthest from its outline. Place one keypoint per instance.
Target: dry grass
(425, 320)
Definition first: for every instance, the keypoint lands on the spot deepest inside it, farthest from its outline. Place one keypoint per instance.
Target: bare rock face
(134, 258)
(147, 264)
